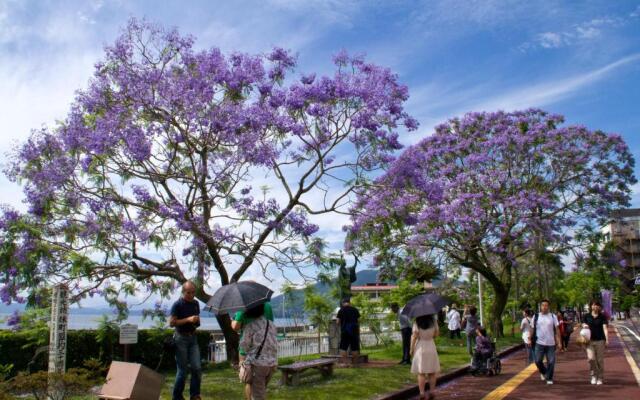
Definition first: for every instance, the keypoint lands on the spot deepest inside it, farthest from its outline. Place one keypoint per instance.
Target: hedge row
(19, 348)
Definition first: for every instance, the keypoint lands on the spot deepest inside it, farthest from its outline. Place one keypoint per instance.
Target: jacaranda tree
(487, 189)
(148, 180)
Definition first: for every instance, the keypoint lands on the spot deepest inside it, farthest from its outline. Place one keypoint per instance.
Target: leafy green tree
(107, 335)
(405, 291)
(319, 310)
(370, 311)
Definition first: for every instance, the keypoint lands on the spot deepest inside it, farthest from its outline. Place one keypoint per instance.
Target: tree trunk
(501, 288)
(499, 304)
(231, 337)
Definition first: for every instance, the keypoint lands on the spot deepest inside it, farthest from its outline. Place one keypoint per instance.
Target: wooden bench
(291, 373)
(362, 358)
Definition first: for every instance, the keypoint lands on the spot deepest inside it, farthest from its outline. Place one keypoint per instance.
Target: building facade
(624, 230)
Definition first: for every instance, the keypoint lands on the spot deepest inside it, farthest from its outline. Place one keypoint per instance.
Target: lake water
(90, 321)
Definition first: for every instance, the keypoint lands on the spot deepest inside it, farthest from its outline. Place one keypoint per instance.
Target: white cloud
(583, 32)
(434, 102)
(550, 40)
(552, 91)
(331, 11)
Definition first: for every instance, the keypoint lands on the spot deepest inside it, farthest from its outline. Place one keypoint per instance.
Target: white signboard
(58, 329)
(128, 334)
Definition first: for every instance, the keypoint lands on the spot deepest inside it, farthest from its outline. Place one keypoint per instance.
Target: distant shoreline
(90, 322)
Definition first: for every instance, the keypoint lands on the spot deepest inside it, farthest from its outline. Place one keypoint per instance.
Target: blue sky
(580, 59)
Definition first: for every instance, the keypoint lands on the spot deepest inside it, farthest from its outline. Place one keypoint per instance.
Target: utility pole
(284, 326)
(480, 299)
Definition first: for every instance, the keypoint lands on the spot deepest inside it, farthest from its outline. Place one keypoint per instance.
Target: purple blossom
(161, 145)
(499, 182)
(14, 320)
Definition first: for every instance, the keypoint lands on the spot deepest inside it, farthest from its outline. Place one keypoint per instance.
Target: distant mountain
(8, 309)
(294, 305)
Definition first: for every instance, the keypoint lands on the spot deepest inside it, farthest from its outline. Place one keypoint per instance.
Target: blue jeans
(550, 353)
(471, 342)
(531, 356)
(187, 355)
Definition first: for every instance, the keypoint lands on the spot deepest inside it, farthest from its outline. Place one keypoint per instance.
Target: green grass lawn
(221, 382)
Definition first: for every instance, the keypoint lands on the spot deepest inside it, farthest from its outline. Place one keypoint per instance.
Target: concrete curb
(411, 391)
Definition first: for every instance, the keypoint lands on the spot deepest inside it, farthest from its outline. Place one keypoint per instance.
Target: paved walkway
(571, 379)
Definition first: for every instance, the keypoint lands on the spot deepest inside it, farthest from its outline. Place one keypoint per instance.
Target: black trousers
(455, 333)
(406, 343)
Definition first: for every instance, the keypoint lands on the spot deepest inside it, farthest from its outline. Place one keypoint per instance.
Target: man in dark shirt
(349, 331)
(597, 322)
(185, 317)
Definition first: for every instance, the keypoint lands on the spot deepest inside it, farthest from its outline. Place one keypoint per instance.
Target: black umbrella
(424, 304)
(237, 297)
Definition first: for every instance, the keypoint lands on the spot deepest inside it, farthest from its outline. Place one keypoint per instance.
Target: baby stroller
(486, 364)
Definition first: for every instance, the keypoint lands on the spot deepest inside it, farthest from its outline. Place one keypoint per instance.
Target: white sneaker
(599, 382)
(593, 380)
(549, 382)
(542, 377)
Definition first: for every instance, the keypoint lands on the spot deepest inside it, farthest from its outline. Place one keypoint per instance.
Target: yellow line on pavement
(509, 386)
(632, 363)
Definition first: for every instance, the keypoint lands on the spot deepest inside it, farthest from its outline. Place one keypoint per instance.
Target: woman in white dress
(425, 356)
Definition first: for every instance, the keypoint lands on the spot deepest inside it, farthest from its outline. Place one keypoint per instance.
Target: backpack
(534, 337)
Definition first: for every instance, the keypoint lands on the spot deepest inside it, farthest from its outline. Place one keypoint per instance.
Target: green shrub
(19, 348)
(76, 381)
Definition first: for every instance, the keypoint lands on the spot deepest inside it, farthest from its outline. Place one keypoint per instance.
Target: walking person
(405, 331)
(425, 355)
(561, 329)
(470, 324)
(185, 317)
(260, 346)
(453, 316)
(348, 317)
(525, 328)
(598, 324)
(567, 331)
(545, 336)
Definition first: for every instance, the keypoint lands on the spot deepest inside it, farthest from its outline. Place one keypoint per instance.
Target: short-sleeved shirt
(525, 328)
(183, 309)
(596, 324)
(405, 322)
(545, 332)
(471, 324)
(348, 317)
(454, 319)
